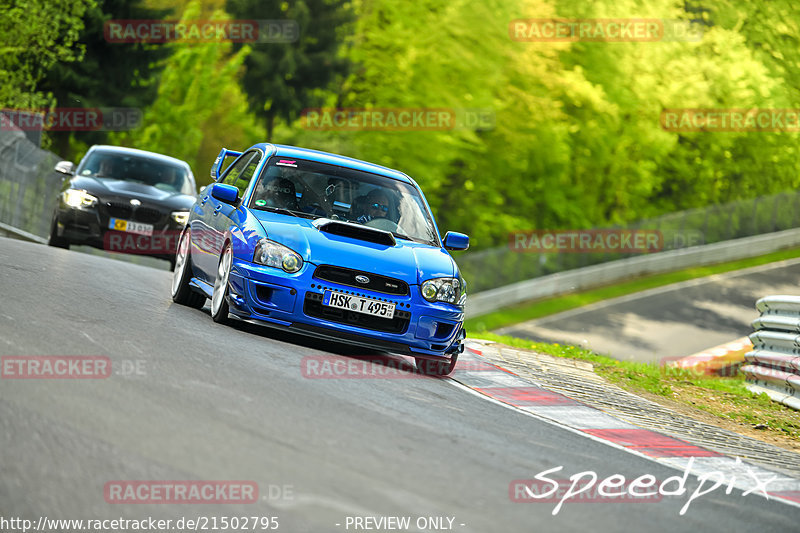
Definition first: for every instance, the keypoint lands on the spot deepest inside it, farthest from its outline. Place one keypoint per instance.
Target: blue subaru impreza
(328, 246)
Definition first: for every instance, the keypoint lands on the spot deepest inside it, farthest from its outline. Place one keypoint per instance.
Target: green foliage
(282, 79)
(576, 140)
(109, 74)
(35, 35)
(458, 56)
(199, 106)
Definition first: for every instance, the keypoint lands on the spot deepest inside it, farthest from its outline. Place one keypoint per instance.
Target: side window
(240, 174)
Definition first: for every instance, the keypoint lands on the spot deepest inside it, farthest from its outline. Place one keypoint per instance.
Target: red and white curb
(503, 386)
(723, 359)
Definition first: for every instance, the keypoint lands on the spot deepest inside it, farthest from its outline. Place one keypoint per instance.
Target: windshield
(312, 189)
(160, 174)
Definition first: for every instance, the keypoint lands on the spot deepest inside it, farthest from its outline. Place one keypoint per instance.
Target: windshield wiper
(412, 239)
(289, 212)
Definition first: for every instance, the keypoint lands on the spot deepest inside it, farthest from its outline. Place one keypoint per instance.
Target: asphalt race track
(191, 400)
(669, 322)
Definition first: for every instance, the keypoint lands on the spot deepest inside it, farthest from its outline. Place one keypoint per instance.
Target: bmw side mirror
(456, 241)
(65, 167)
(225, 193)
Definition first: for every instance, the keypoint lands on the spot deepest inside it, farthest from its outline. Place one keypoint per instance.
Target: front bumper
(89, 226)
(294, 302)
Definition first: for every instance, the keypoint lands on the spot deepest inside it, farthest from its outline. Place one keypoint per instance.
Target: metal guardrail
(28, 193)
(491, 268)
(773, 366)
(28, 184)
(16, 233)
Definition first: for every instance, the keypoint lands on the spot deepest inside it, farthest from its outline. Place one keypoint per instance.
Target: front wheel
(55, 240)
(436, 368)
(182, 293)
(219, 298)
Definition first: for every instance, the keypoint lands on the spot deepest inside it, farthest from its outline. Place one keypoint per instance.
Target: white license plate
(368, 306)
(130, 227)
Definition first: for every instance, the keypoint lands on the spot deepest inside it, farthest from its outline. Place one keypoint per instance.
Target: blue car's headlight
(449, 290)
(276, 255)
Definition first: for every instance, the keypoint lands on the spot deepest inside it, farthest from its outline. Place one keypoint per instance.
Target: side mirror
(225, 193)
(456, 241)
(65, 167)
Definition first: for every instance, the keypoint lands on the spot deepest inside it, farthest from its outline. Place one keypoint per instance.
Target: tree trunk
(270, 126)
(60, 144)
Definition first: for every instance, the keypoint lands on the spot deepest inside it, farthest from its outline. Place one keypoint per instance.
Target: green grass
(539, 308)
(723, 397)
(646, 376)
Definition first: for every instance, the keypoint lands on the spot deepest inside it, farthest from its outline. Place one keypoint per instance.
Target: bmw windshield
(311, 189)
(169, 177)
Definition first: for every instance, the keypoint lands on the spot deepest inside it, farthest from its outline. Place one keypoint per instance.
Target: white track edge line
(607, 442)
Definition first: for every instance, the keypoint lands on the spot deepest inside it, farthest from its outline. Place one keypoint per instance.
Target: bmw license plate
(130, 227)
(358, 304)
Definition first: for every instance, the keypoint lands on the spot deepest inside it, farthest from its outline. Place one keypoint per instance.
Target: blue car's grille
(312, 306)
(347, 276)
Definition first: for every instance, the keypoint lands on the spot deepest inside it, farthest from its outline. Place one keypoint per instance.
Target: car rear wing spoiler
(216, 167)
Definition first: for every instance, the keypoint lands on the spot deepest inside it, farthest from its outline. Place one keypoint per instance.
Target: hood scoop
(354, 231)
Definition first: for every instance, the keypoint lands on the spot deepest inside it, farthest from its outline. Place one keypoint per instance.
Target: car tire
(436, 368)
(54, 240)
(219, 298)
(182, 292)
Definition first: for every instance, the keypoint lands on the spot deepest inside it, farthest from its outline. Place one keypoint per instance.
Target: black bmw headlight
(180, 217)
(78, 198)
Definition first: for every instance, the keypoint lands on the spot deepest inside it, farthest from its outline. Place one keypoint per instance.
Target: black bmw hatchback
(123, 200)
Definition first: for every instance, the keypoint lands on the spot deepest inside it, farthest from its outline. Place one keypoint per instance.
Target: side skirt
(202, 287)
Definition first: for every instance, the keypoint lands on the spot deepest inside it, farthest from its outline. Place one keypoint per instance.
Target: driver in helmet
(277, 192)
(377, 206)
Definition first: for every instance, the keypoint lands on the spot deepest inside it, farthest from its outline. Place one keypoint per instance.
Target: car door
(206, 223)
(220, 214)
